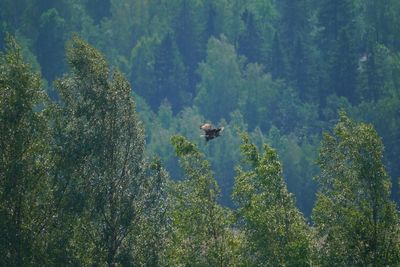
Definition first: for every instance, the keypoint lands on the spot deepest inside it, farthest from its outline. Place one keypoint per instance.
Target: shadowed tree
(170, 75)
(50, 44)
(188, 40)
(250, 40)
(278, 59)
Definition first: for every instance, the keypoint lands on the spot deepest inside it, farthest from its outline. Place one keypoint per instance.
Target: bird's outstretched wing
(210, 132)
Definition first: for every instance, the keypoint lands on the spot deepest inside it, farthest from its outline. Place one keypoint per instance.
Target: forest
(102, 162)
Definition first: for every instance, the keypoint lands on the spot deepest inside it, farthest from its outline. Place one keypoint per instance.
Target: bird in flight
(210, 132)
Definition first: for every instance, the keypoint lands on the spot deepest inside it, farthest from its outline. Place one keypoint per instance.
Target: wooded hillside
(102, 161)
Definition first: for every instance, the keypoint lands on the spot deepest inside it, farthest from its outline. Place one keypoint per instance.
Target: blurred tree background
(93, 90)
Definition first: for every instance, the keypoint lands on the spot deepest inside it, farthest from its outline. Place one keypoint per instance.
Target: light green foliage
(267, 102)
(152, 229)
(277, 232)
(25, 199)
(100, 143)
(163, 126)
(200, 226)
(298, 156)
(356, 222)
(218, 91)
(186, 60)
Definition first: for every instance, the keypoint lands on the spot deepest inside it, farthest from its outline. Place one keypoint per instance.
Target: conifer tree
(188, 40)
(250, 40)
(170, 75)
(50, 44)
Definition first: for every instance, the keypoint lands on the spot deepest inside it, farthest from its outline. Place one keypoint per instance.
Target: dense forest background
(273, 73)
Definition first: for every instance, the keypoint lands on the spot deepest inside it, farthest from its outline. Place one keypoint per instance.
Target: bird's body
(210, 132)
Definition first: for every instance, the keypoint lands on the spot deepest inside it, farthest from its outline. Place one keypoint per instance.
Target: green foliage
(268, 103)
(104, 189)
(220, 84)
(152, 230)
(25, 198)
(277, 232)
(50, 44)
(200, 226)
(250, 41)
(279, 70)
(356, 222)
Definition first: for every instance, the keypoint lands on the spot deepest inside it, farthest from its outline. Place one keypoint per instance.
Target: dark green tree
(50, 44)
(295, 26)
(25, 199)
(250, 40)
(188, 39)
(171, 81)
(339, 40)
(344, 68)
(278, 66)
(159, 73)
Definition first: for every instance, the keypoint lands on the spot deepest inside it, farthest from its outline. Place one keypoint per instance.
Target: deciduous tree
(277, 232)
(25, 199)
(357, 224)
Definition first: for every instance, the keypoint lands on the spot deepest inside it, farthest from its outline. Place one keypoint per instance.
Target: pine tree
(339, 41)
(344, 73)
(278, 59)
(50, 44)
(171, 81)
(250, 40)
(187, 37)
(295, 25)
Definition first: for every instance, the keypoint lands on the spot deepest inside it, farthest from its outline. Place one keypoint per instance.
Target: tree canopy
(102, 161)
